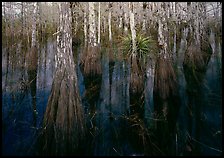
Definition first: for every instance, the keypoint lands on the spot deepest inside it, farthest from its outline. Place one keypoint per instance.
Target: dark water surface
(119, 122)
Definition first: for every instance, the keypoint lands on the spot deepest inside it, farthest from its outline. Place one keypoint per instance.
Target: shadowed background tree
(32, 62)
(166, 100)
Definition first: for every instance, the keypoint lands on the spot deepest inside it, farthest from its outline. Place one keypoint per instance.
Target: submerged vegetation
(111, 78)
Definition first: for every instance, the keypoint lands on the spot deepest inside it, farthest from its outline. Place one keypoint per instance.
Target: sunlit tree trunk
(162, 32)
(125, 19)
(38, 21)
(31, 59)
(91, 57)
(104, 24)
(216, 16)
(5, 23)
(220, 45)
(109, 21)
(196, 24)
(3, 7)
(202, 24)
(85, 27)
(154, 10)
(144, 16)
(22, 18)
(11, 19)
(7, 46)
(63, 120)
(175, 32)
(164, 70)
(151, 8)
(34, 26)
(136, 72)
(167, 9)
(120, 15)
(132, 26)
(189, 26)
(75, 24)
(92, 25)
(98, 41)
(165, 85)
(73, 15)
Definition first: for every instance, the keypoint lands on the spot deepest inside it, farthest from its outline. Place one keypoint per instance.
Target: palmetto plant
(146, 46)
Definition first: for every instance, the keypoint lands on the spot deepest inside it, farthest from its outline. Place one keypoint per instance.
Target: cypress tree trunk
(92, 25)
(165, 78)
(125, 19)
(109, 22)
(165, 92)
(63, 120)
(85, 28)
(34, 26)
(32, 55)
(120, 16)
(132, 26)
(98, 40)
(163, 31)
(144, 5)
(175, 32)
(91, 58)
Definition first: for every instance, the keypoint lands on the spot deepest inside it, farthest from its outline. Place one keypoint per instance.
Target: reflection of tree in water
(111, 135)
(166, 105)
(195, 63)
(32, 78)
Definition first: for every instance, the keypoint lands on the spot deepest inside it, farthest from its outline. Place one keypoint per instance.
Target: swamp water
(118, 122)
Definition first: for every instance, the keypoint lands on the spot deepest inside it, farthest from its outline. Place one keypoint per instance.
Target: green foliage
(146, 46)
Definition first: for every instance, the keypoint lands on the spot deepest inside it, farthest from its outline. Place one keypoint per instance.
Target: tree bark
(64, 119)
(109, 22)
(120, 16)
(85, 28)
(175, 32)
(144, 16)
(34, 26)
(165, 79)
(162, 31)
(132, 26)
(99, 25)
(92, 25)
(125, 19)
